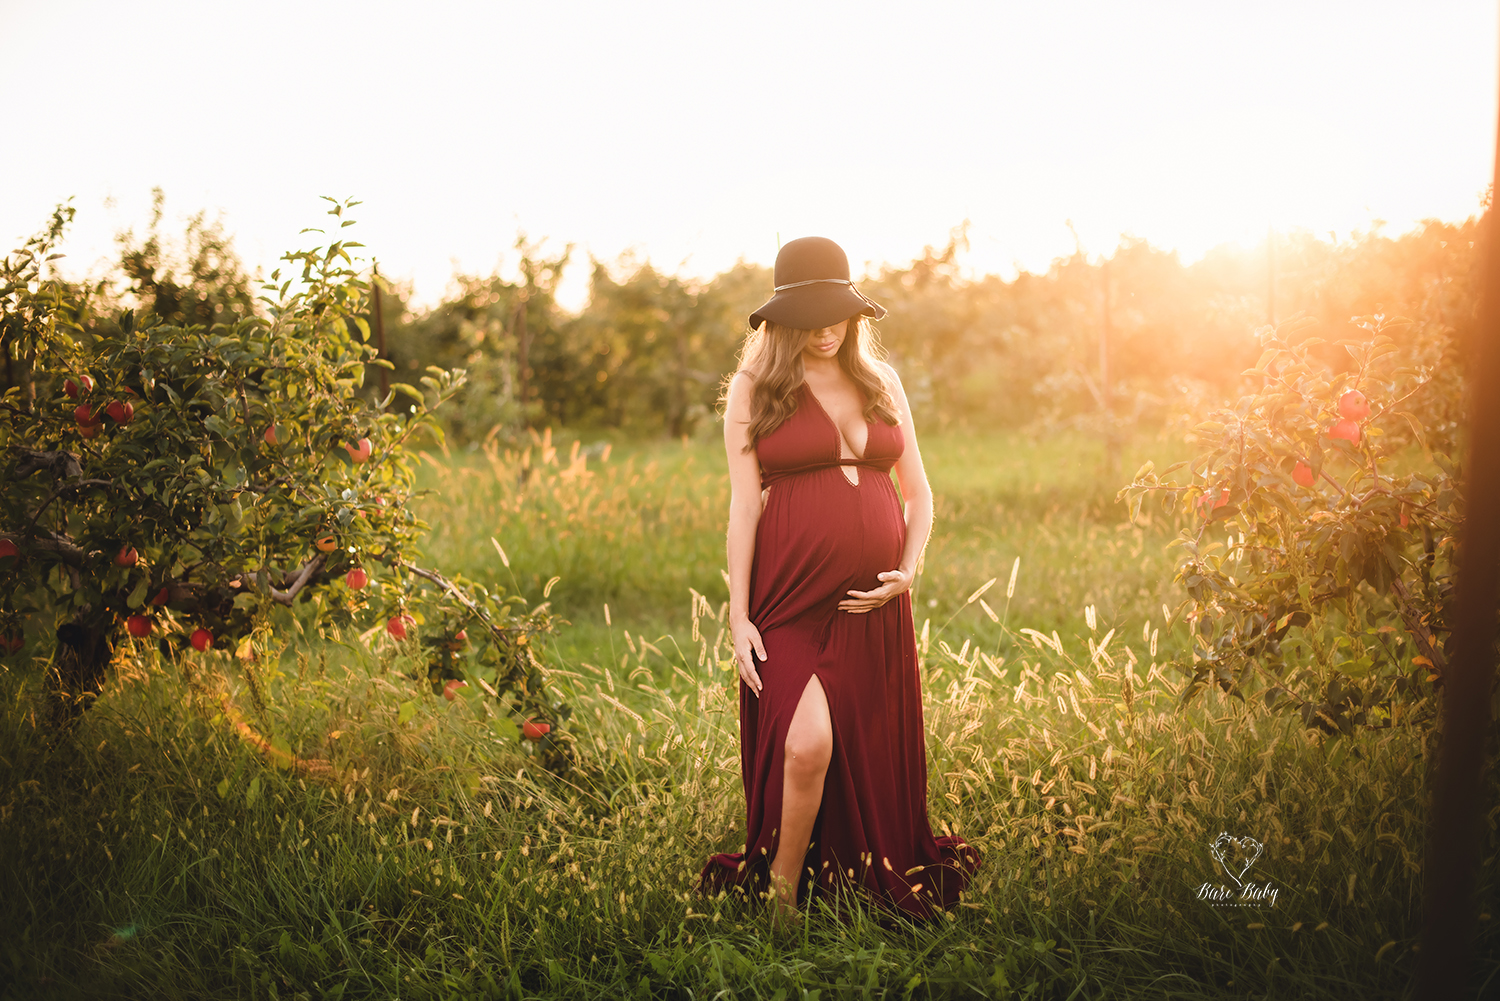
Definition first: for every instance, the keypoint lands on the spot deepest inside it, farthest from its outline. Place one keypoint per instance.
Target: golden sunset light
(784, 501)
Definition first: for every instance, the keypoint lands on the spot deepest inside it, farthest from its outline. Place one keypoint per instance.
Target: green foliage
(432, 858)
(1340, 512)
(647, 351)
(203, 479)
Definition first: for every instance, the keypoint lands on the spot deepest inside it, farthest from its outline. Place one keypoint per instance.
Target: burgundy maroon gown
(820, 536)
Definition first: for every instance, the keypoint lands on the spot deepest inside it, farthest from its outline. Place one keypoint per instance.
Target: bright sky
(693, 133)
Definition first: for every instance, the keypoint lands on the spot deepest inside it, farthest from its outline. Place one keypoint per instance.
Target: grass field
(158, 853)
(647, 524)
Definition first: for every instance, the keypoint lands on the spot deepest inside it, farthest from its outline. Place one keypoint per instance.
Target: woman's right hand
(747, 646)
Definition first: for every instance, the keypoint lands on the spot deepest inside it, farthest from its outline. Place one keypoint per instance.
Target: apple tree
(184, 484)
(1322, 502)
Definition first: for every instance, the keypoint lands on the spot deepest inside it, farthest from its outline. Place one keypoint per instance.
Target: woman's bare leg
(809, 748)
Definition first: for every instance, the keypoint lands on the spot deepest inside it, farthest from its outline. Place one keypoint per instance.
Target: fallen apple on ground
(161, 597)
(201, 639)
(533, 730)
(450, 690)
(138, 626)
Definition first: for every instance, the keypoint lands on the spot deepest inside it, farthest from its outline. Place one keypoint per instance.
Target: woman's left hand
(893, 582)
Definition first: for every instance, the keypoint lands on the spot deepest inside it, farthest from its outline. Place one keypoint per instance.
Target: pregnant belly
(820, 536)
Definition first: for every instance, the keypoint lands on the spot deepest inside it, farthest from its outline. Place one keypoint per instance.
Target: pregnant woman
(821, 560)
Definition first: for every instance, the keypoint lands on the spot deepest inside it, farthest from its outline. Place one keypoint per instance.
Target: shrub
(1338, 515)
(202, 479)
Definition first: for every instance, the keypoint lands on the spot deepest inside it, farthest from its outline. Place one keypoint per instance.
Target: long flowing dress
(819, 536)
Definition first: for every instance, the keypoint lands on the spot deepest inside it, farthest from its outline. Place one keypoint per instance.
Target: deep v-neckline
(838, 432)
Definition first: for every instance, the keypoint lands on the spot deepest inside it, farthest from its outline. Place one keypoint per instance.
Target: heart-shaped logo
(1235, 855)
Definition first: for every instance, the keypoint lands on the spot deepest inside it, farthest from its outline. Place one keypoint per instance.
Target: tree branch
(1414, 625)
(453, 589)
(291, 584)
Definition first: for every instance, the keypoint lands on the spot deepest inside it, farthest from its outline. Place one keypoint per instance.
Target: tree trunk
(77, 674)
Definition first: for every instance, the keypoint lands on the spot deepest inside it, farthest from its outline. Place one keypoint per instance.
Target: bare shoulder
(892, 380)
(737, 400)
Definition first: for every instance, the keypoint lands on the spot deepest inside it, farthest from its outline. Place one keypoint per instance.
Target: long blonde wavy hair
(772, 356)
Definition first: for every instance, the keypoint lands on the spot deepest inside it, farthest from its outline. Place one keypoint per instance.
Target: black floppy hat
(813, 289)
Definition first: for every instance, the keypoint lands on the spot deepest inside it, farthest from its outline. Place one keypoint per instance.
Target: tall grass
(422, 854)
(316, 824)
(635, 526)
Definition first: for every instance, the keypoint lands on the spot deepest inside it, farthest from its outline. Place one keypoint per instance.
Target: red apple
(1353, 405)
(90, 430)
(138, 626)
(75, 389)
(10, 643)
(201, 639)
(533, 730)
(120, 413)
(461, 637)
(71, 388)
(1210, 502)
(360, 451)
(126, 557)
(398, 624)
(1405, 519)
(9, 553)
(1345, 429)
(357, 578)
(86, 415)
(1302, 475)
(270, 435)
(162, 597)
(327, 543)
(450, 690)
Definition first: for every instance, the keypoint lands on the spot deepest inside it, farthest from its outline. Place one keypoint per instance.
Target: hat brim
(813, 307)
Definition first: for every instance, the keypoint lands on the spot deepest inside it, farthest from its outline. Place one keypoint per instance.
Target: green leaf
(137, 596)
(406, 711)
(1416, 427)
(222, 788)
(409, 390)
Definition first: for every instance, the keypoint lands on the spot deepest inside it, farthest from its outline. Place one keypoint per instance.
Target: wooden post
(1106, 398)
(385, 376)
(523, 339)
(1270, 276)
(1451, 869)
(1104, 338)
